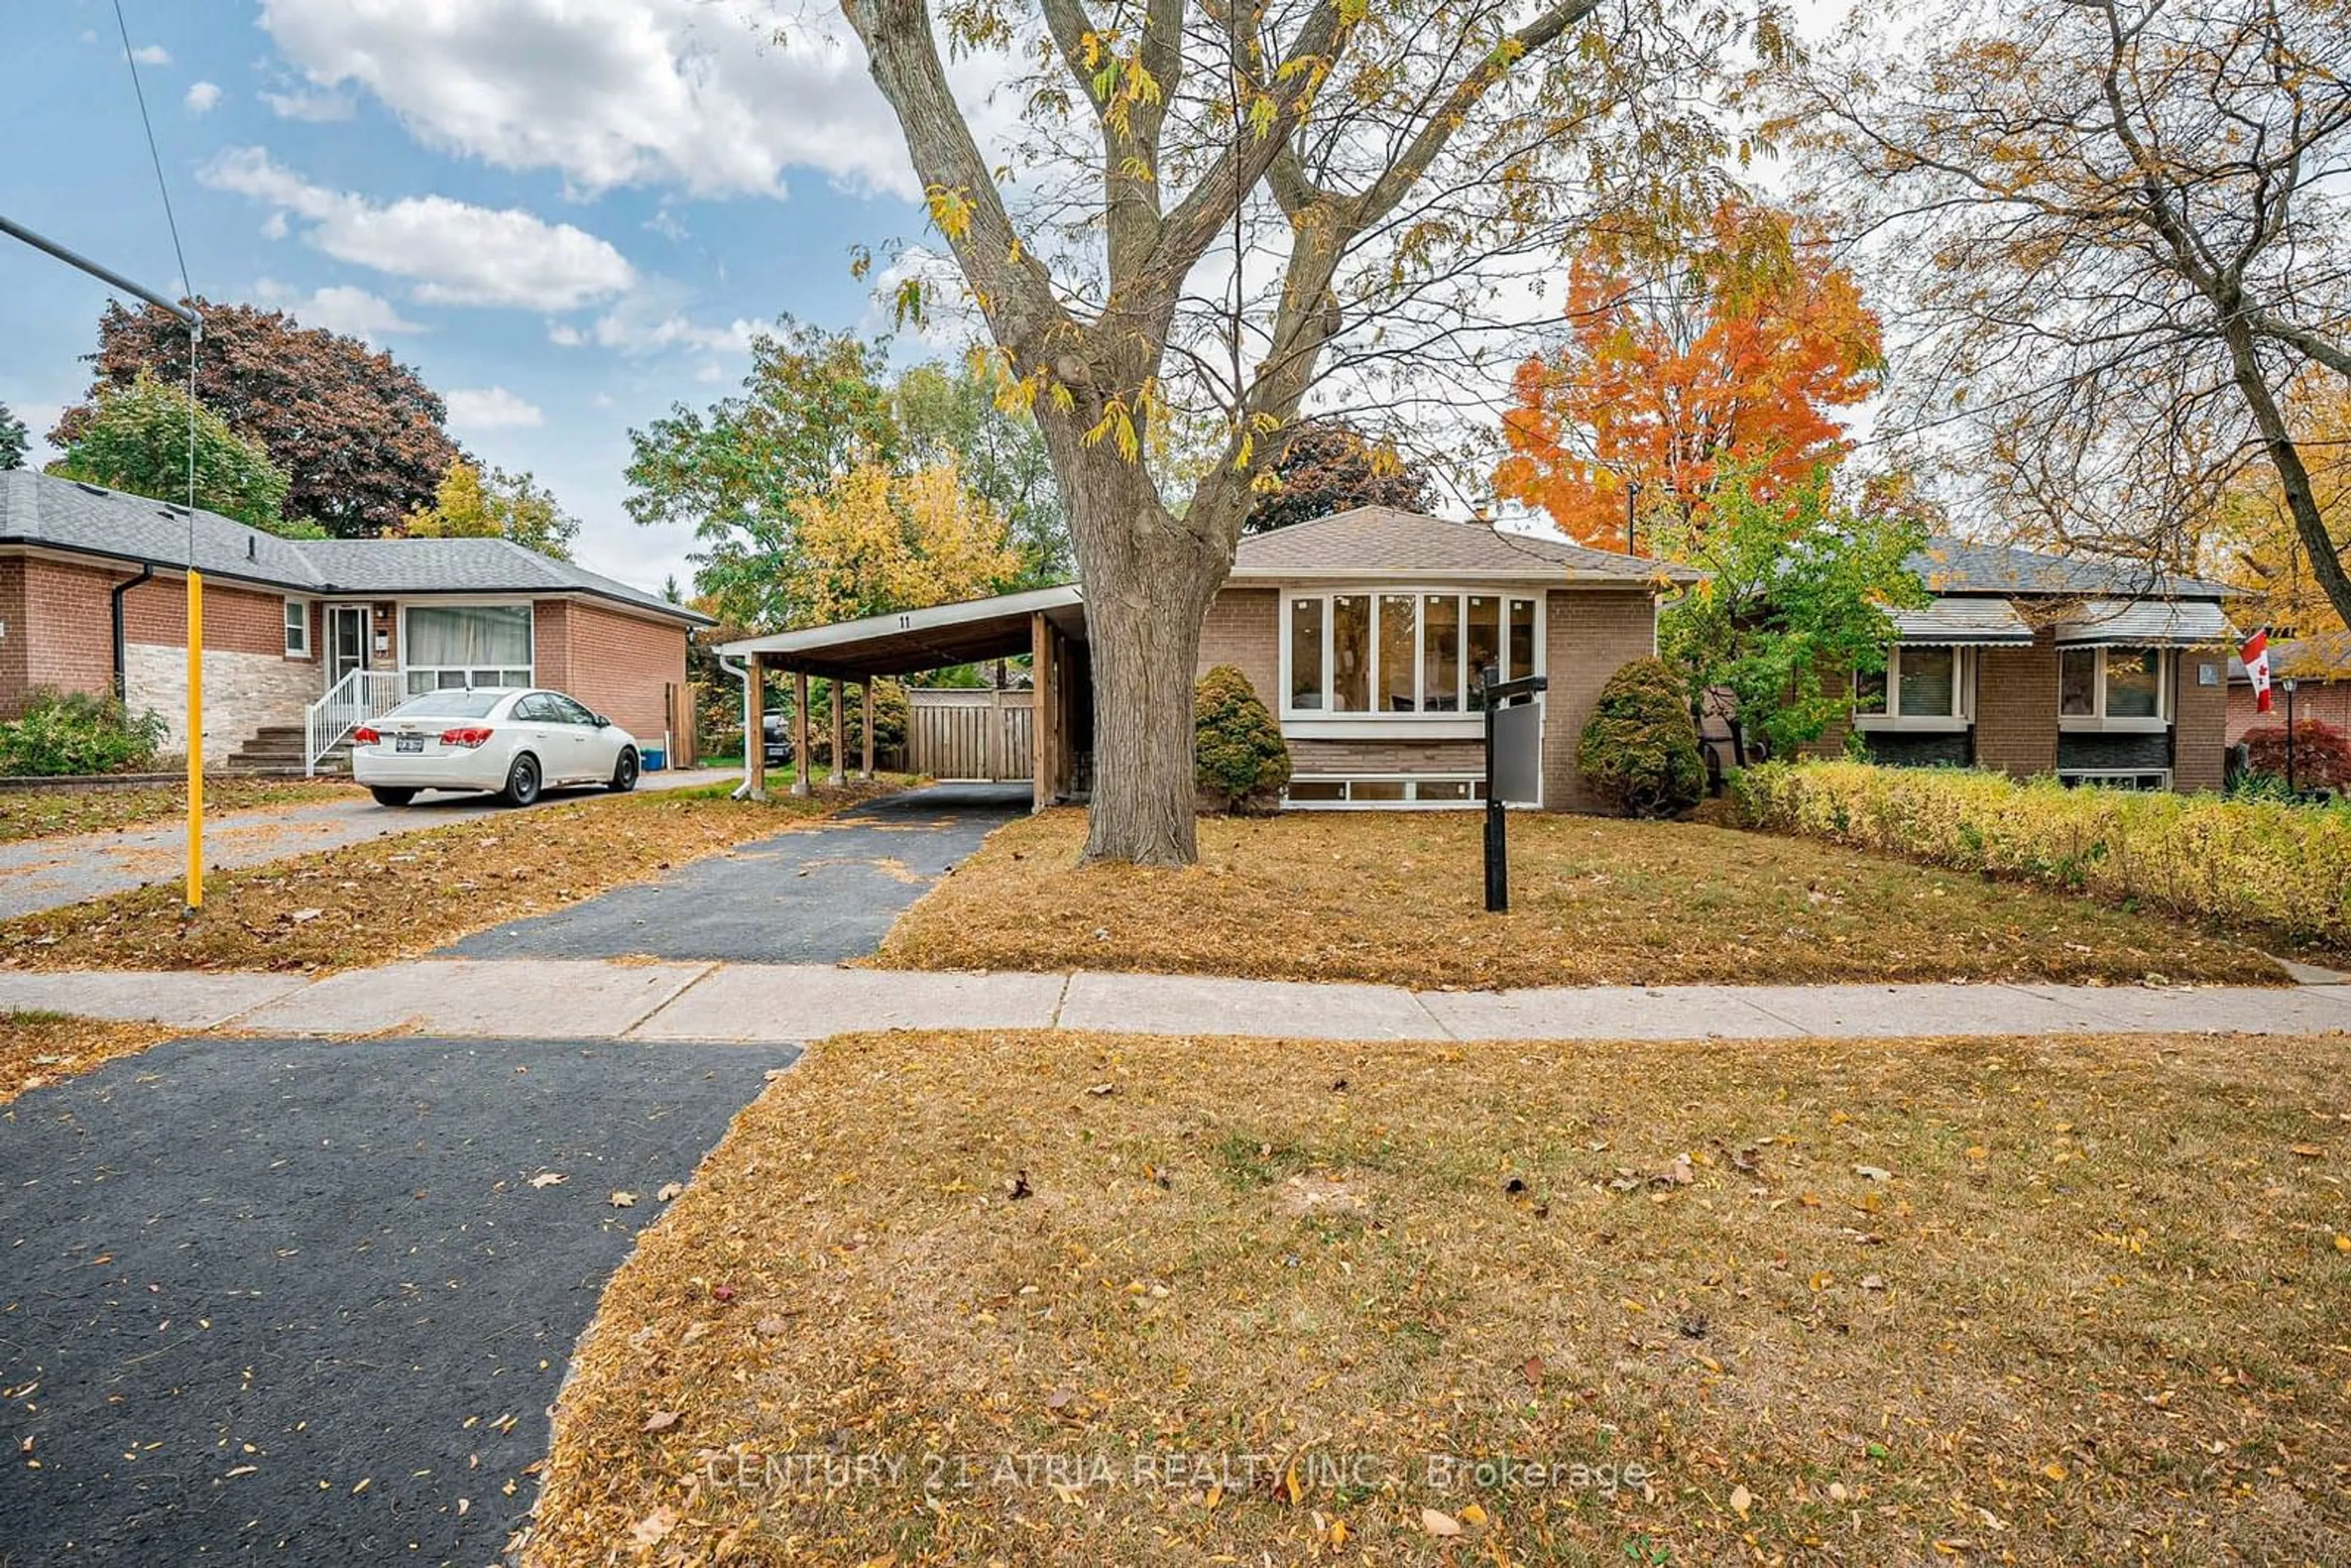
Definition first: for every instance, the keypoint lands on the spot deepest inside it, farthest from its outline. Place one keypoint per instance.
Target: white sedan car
(513, 741)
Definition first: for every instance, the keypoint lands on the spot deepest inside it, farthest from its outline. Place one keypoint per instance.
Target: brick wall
(2329, 702)
(550, 649)
(1591, 633)
(619, 664)
(2199, 722)
(64, 626)
(1243, 629)
(15, 627)
(236, 620)
(2016, 706)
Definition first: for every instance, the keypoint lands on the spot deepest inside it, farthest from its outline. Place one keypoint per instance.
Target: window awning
(2144, 623)
(1963, 623)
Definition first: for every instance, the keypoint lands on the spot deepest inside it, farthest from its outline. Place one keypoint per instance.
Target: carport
(1047, 624)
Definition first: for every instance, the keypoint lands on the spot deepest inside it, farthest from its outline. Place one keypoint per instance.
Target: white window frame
(408, 671)
(1471, 802)
(2097, 721)
(297, 620)
(1463, 723)
(1963, 697)
(2151, 780)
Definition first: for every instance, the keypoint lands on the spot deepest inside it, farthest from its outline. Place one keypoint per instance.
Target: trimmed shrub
(59, 733)
(2247, 862)
(1239, 758)
(2322, 753)
(1640, 749)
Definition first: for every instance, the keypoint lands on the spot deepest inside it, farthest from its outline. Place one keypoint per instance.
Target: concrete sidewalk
(776, 1003)
(47, 874)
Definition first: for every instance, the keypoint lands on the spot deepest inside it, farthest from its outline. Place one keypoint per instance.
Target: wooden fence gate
(970, 733)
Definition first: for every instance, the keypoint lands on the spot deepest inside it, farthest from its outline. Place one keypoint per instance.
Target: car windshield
(450, 705)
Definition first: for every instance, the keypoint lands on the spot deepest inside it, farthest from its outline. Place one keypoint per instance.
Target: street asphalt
(817, 894)
(309, 1302)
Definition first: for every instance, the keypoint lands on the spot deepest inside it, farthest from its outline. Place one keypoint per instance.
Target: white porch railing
(356, 698)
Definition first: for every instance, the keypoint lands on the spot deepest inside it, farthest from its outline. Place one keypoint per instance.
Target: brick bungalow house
(2096, 671)
(1360, 631)
(310, 636)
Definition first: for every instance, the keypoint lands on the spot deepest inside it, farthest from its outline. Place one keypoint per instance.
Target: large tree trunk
(1149, 579)
(2293, 476)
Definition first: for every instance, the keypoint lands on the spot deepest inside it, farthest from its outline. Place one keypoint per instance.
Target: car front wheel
(387, 796)
(522, 780)
(624, 771)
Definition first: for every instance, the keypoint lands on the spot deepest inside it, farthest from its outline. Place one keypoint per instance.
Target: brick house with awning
(306, 637)
(1362, 631)
(2095, 671)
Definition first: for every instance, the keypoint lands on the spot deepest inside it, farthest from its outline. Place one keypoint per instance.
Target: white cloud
(950, 322)
(452, 253)
(613, 92)
(151, 55)
(202, 97)
(490, 408)
(338, 309)
(316, 107)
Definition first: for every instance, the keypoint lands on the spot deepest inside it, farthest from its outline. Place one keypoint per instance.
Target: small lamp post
(2287, 686)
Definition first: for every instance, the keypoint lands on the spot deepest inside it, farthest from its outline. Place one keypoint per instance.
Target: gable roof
(68, 515)
(1952, 565)
(1383, 541)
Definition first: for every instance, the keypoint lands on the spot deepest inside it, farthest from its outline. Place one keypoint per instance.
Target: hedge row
(2254, 862)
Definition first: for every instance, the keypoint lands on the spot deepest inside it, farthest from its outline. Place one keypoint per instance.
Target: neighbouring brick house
(2092, 670)
(2320, 668)
(92, 598)
(1360, 631)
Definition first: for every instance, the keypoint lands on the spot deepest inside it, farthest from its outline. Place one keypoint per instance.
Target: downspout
(749, 740)
(121, 652)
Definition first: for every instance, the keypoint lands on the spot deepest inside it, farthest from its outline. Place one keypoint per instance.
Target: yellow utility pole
(195, 739)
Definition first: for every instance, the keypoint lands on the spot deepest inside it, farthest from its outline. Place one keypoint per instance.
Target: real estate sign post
(1513, 768)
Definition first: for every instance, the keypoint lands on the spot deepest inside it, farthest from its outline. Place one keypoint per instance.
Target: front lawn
(37, 1048)
(42, 813)
(1398, 897)
(406, 894)
(1071, 1299)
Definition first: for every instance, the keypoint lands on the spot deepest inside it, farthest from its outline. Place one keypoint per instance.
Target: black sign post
(1514, 740)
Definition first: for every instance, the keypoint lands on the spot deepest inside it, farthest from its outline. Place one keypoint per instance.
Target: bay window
(1392, 653)
(2113, 688)
(445, 647)
(1921, 687)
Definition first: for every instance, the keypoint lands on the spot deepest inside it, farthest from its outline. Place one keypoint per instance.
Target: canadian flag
(2256, 655)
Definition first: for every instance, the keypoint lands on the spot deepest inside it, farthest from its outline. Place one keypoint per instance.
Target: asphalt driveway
(817, 894)
(302, 1300)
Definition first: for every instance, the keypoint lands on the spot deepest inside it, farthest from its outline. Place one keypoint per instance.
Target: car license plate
(408, 743)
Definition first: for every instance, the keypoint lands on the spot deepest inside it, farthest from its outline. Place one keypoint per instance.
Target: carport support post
(755, 728)
(800, 732)
(1041, 683)
(840, 774)
(865, 722)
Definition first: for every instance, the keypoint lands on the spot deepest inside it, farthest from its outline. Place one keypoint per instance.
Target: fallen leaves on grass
(46, 812)
(1398, 897)
(407, 893)
(2163, 1309)
(39, 1049)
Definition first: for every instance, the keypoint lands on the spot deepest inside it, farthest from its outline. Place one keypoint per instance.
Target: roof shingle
(65, 513)
(1383, 540)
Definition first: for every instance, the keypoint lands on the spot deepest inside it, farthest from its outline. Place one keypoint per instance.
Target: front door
(347, 633)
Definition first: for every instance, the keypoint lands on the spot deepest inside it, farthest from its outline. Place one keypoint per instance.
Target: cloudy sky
(567, 215)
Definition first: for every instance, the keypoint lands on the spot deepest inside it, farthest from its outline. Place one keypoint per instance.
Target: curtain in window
(491, 636)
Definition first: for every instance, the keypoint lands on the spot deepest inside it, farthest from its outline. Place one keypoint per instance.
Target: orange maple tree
(1731, 356)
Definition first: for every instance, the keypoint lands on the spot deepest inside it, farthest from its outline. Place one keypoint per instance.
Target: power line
(171, 222)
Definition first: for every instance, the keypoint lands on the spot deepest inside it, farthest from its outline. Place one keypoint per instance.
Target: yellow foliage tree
(877, 541)
(471, 505)
(2255, 540)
